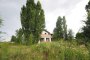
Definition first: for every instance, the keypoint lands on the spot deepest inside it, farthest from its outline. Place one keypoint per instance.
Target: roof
(47, 31)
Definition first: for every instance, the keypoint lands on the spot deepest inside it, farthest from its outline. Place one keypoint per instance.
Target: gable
(44, 32)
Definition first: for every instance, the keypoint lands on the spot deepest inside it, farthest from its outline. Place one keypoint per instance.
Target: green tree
(88, 7)
(39, 22)
(1, 21)
(18, 38)
(31, 39)
(80, 37)
(13, 38)
(32, 20)
(64, 28)
(19, 35)
(1, 24)
(70, 34)
(27, 19)
(86, 28)
(58, 31)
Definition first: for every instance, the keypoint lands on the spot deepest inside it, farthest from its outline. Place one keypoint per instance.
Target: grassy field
(61, 50)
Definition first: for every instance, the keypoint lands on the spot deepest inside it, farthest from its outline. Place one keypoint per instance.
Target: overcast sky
(74, 10)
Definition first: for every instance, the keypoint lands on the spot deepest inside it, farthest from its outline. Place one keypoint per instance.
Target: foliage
(31, 38)
(1, 22)
(61, 29)
(58, 31)
(70, 34)
(87, 7)
(39, 22)
(13, 38)
(64, 28)
(32, 20)
(86, 28)
(80, 37)
(18, 38)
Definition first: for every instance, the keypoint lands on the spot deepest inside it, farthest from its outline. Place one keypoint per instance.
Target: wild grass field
(61, 50)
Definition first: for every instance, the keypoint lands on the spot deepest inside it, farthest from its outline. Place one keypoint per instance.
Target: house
(45, 36)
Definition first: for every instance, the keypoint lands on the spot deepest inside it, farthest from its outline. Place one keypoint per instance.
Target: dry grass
(61, 50)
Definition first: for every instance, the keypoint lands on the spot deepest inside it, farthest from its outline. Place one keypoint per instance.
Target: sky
(73, 10)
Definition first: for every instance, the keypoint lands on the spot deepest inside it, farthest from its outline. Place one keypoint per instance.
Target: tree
(39, 22)
(19, 35)
(27, 18)
(1, 22)
(64, 28)
(32, 20)
(61, 29)
(80, 37)
(88, 7)
(70, 34)
(86, 28)
(18, 38)
(31, 39)
(13, 38)
(58, 31)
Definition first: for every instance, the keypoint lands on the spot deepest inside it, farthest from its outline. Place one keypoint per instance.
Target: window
(47, 39)
(42, 39)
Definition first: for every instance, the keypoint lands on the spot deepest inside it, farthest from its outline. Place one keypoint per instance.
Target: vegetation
(61, 50)
(70, 35)
(86, 28)
(60, 32)
(61, 29)
(18, 38)
(64, 28)
(84, 35)
(32, 21)
(80, 38)
(1, 23)
(13, 38)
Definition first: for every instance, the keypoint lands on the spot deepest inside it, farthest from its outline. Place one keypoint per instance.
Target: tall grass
(61, 50)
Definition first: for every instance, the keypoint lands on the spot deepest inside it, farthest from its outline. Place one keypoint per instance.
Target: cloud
(73, 10)
(52, 5)
(76, 16)
(10, 13)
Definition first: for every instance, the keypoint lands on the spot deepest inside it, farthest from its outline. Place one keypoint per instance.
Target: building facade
(45, 36)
